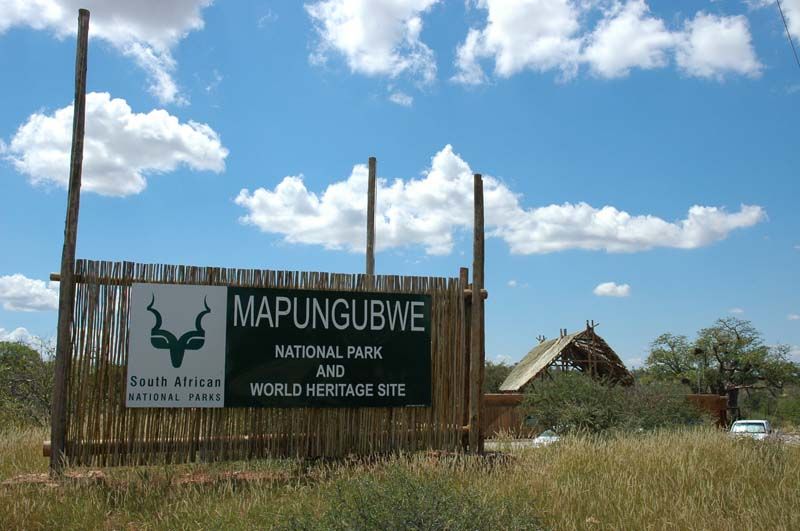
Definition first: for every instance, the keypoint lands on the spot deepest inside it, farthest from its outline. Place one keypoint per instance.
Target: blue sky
(231, 134)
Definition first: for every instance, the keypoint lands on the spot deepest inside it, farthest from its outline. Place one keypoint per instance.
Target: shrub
(494, 375)
(402, 497)
(574, 402)
(26, 382)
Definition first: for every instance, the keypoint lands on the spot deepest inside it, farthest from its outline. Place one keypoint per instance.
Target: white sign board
(176, 350)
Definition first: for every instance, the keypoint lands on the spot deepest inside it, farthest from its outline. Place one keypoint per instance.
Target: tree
(734, 357)
(724, 359)
(493, 376)
(26, 382)
(671, 358)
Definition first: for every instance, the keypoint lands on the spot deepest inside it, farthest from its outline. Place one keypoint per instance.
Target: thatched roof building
(584, 351)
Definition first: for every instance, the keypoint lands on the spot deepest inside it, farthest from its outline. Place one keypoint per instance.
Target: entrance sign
(215, 346)
(176, 346)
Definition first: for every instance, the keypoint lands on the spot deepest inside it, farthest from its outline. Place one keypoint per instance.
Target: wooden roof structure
(585, 351)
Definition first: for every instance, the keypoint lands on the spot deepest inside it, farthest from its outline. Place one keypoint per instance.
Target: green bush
(574, 402)
(400, 498)
(26, 382)
(494, 375)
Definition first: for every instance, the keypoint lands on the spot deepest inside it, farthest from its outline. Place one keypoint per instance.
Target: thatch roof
(584, 350)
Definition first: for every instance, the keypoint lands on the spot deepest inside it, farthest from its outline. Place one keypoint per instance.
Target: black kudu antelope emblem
(166, 340)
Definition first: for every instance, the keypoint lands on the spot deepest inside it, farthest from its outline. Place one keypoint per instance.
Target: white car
(545, 438)
(755, 429)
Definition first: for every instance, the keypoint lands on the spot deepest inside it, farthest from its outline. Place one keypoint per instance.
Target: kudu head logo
(166, 340)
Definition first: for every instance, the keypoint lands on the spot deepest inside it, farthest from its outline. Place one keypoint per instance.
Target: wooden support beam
(476, 332)
(373, 162)
(503, 399)
(468, 293)
(66, 290)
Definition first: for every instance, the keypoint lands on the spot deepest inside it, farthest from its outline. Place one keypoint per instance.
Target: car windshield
(748, 427)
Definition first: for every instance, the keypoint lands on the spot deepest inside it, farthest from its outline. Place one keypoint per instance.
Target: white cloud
(512, 283)
(581, 226)
(503, 358)
(424, 211)
(145, 30)
(23, 294)
(543, 35)
(18, 335)
(215, 81)
(401, 98)
(791, 10)
(628, 37)
(121, 147)
(430, 210)
(737, 311)
(611, 289)
(713, 46)
(159, 66)
(44, 345)
(468, 54)
(376, 37)
(538, 35)
(793, 317)
(266, 19)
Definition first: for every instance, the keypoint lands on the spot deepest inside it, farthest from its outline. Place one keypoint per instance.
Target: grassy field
(668, 480)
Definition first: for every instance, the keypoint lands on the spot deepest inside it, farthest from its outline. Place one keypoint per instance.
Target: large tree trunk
(733, 403)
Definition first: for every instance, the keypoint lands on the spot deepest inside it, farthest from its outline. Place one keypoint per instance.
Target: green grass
(665, 480)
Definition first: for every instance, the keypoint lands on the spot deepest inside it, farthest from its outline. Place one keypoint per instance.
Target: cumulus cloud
(793, 317)
(628, 37)
(120, 149)
(425, 211)
(791, 10)
(376, 37)
(23, 294)
(145, 30)
(713, 46)
(539, 35)
(430, 210)
(736, 311)
(581, 226)
(612, 289)
(542, 35)
(18, 335)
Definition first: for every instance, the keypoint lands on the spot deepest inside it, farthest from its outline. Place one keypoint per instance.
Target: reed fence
(101, 431)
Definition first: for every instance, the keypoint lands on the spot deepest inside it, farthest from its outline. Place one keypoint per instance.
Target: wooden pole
(476, 330)
(371, 218)
(66, 291)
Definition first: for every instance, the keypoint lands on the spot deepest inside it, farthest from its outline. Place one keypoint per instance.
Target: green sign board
(211, 346)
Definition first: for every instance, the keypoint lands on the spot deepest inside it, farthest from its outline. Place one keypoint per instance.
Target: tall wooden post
(476, 330)
(66, 291)
(371, 219)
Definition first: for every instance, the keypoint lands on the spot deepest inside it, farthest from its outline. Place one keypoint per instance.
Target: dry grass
(667, 480)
